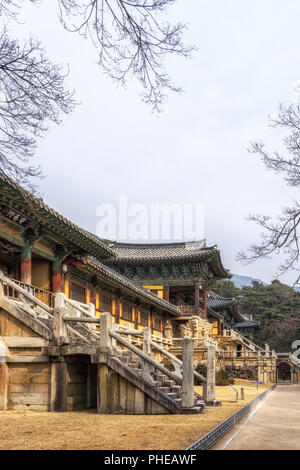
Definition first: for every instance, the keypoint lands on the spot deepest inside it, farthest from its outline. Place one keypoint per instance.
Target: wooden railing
(43, 295)
(187, 309)
(190, 310)
(30, 303)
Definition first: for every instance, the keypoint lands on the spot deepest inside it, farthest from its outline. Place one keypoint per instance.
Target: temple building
(88, 323)
(46, 253)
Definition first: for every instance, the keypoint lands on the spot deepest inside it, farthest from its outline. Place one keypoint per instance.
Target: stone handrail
(145, 357)
(85, 309)
(234, 333)
(23, 292)
(175, 361)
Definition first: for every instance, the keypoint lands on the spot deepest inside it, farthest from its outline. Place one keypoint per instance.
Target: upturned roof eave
(98, 268)
(84, 239)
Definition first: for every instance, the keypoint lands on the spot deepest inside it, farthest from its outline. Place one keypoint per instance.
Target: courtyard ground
(87, 430)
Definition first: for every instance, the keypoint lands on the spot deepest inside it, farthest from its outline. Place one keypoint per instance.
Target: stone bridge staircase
(162, 384)
(73, 330)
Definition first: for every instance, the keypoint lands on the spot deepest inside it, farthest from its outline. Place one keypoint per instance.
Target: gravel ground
(87, 430)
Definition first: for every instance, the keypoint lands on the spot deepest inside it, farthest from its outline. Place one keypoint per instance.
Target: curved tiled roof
(44, 213)
(158, 253)
(218, 303)
(122, 282)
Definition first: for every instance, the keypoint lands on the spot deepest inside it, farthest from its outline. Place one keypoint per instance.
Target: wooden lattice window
(157, 324)
(77, 292)
(105, 304)
(143, 318)
(126, 312)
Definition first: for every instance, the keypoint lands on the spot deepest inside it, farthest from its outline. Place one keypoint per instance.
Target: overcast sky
(195, 152)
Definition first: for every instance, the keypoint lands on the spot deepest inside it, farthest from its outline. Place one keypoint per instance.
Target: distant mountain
(240, 281)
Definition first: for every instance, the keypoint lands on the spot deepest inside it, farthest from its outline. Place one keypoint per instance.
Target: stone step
(176, 389)
(172, 395)
(178, 400)
(134, 360)
(168, 383)
(136, 371)
(160, 377)
(192, 411)
(158, 384)
(164, 389)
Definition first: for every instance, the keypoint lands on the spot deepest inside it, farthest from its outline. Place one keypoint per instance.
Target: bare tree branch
(280, 236)
(130, 40)
(31, 95)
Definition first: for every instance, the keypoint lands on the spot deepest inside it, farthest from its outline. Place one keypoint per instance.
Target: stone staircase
(162, 383)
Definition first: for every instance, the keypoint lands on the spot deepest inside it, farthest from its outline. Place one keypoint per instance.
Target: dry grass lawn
(87, 430)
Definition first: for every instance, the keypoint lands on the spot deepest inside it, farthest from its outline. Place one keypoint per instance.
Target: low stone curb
(213, 436)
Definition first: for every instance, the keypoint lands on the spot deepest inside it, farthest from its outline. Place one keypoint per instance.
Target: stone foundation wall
(29, 386)
(117, 396)
(248, 372)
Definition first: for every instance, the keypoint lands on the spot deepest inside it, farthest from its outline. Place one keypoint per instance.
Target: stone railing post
(187, 373)
(168, 331)
(3, 376)
(105, 326)
(1, 287)
(60, 333)
(267, 350)
(92, 309)
(209, 388)
(92, 313)
(147, 340)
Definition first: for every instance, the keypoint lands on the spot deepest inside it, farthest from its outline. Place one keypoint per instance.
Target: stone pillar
(267, 350)
(187, 373)
(102, 389)
(168, 330)
(197, 298)
(57, 282)
(209, 389)
(146, 340)
(59, 327)
(59, 381)
(105, 326)
(25, 265)
(3, 377)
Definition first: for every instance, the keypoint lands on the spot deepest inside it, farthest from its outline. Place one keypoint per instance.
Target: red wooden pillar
(197, 298)
(25, 264)
(57, 280)
(93, 297)
(117, 312)
(166, 293)
(205, 304)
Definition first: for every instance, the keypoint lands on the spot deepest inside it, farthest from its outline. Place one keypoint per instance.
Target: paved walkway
(276, 425)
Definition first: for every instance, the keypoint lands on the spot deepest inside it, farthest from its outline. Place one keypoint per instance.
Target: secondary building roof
(125, 285)
(158, 254)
